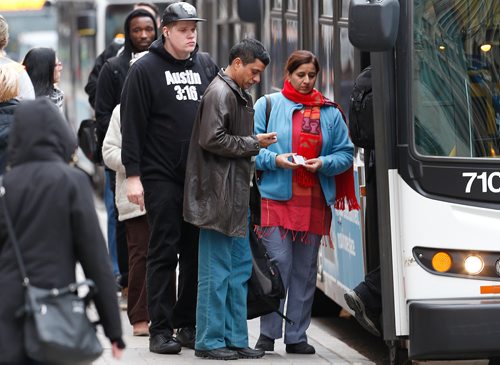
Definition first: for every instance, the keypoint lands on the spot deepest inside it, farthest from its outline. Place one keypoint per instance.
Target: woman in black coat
(51, 206)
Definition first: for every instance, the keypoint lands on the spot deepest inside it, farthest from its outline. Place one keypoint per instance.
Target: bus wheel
(398, 355)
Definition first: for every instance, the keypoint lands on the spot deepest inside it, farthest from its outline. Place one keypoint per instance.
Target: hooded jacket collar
(40, 133)
(158, 49)
(128, 49)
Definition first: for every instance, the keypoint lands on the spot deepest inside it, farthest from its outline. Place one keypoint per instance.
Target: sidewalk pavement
(329, 350)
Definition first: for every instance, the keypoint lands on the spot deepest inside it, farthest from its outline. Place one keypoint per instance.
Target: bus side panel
(341, 260)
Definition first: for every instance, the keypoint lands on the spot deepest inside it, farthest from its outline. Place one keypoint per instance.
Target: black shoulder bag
(56, 327)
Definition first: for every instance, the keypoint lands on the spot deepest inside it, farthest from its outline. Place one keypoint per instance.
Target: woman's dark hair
(299, 58)
(40, 63)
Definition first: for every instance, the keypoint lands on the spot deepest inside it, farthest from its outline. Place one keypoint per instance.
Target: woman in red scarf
(308, 170)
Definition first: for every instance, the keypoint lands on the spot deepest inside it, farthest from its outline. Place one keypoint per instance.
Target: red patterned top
(307, 210)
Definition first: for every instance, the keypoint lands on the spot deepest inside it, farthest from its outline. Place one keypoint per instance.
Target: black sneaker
(300, 348)
(186, 336)
(248, 353)
(265, 343)
(222, 353)
(161, 344)
(364, 317)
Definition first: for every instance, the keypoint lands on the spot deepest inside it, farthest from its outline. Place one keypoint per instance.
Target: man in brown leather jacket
(216, 198)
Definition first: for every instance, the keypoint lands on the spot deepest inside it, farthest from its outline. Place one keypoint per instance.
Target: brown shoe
(141, 329)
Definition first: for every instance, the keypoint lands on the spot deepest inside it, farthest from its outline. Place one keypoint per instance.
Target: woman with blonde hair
(9, 90)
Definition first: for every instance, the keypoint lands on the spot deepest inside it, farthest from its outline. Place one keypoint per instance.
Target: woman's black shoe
(265, 343)
(222, 353)
(300, 348)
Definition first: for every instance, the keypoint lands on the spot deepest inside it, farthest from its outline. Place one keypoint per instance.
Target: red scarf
(309, 146)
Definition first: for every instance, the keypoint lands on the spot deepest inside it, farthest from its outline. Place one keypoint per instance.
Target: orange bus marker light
(490, 289)
(441, 262)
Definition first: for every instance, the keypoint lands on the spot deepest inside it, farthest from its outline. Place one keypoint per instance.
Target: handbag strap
(15, 244)
(12, 235)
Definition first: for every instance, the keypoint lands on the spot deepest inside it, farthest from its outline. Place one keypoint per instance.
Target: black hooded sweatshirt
(159, 102)
(112, 76)
(51, 207)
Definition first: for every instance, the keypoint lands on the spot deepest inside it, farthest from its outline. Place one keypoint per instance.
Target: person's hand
(135, 191)
(284, 162)
(116, 352)
(267, 139)
(313, 164)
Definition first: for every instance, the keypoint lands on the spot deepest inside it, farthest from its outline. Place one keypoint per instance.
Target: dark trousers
(170, 235)
(370, 293)
(137, 240)
(371, 222)
(370, 290)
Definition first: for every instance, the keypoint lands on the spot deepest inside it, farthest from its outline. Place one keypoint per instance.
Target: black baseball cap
(180, 11)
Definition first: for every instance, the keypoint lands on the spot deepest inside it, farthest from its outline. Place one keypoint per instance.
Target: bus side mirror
(250, 10)
(373, 24)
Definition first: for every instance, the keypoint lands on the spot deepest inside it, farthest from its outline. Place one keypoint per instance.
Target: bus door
(437, 142)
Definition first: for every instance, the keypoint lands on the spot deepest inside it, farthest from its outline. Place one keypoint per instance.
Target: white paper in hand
(299, 160)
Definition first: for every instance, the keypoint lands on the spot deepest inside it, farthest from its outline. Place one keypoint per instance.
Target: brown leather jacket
(219, 167)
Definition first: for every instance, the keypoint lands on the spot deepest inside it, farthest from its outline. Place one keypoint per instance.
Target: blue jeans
(224, 268)
(109, 202)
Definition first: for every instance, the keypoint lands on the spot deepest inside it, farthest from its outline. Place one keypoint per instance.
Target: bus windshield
(456, 81)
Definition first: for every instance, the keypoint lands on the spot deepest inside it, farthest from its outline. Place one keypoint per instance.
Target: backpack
(361, 127)
(265, 287)
(87, 141)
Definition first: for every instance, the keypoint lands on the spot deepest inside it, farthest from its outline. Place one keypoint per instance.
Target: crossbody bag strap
(268, 109)
(12, 235)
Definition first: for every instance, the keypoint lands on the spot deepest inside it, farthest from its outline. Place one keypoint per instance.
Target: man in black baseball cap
(180, 11)
(159, 101)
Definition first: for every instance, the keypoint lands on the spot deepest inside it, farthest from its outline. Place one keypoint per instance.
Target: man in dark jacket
(158, 107)
(216, 199)
(115, 48)
(51, 207)
(140, 32)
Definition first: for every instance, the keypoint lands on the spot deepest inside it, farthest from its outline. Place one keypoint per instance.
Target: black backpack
(361, 111)
(265, 287)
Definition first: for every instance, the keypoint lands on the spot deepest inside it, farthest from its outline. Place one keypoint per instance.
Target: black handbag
(88, 141)
(56, 327)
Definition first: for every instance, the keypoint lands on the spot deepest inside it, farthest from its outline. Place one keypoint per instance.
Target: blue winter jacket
(336, 152)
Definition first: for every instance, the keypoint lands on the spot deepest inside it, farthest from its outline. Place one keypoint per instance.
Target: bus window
(42, 30)
(456, 78)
